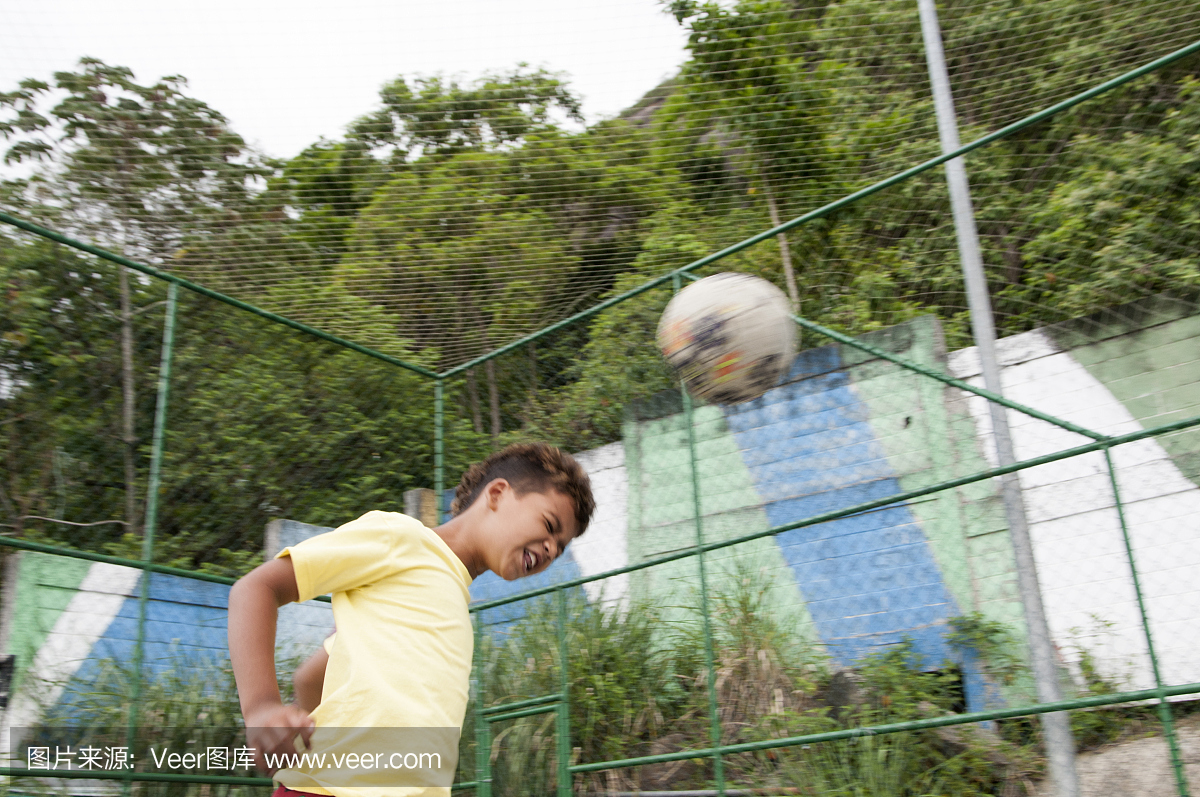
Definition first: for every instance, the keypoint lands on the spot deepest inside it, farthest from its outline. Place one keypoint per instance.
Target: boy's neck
(455, 532)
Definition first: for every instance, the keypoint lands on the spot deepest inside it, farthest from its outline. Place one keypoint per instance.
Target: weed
(990, 640)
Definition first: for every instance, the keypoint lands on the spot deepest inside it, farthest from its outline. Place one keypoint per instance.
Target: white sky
(288, 73)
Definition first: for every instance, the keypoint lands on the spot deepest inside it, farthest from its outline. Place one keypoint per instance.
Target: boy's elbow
(244, 590)
(275, 579)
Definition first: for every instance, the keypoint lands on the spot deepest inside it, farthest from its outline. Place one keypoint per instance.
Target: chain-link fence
(816, 592)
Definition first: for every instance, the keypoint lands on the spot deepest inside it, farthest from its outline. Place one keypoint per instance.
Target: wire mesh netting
(457, 216)
(764, 584)
(255, 411)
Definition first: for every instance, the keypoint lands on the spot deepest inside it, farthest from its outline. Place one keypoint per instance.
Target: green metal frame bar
(525, 712)
(483, 729)
(1095, 701)
(820, 212)
(867, 506)
(836, 205)
(1154, 431)
(533, 701)
(949, 380)
(151, 525)
(1164, 708)
(714, 716)
(167, 276)
(894, 727)
(875, 351)
(560, 707)
(825, 210)
(439, 446)
(41, 547)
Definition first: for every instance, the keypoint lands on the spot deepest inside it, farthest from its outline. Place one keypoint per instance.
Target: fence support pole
(563, 709)
(1164, 708)
(439, 463)
(714, 717)
(1060, 744)
(151, 524)
(483, 729)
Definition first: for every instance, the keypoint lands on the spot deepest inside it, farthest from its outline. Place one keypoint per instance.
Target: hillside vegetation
(459, 215)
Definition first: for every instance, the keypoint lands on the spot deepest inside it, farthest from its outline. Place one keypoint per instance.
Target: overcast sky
(287, 73)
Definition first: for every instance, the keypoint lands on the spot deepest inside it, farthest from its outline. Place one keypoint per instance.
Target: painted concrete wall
(1082, 563)
(842, 429)
(71, 617)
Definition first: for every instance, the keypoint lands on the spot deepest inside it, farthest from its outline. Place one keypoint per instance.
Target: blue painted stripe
(869, 580)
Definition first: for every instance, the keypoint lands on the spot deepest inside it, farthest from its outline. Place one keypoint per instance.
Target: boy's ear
(494, 491)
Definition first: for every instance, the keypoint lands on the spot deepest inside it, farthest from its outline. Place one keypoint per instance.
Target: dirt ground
(1139, 767)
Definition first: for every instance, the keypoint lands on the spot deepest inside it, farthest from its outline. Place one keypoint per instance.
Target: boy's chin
(512, 573)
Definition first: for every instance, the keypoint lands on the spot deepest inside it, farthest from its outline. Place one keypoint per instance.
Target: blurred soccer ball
(729, 337)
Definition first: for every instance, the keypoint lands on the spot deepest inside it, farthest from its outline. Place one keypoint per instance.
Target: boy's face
(525, 532)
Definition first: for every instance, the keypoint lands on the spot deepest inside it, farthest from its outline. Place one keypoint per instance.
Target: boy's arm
(309, 680)
(254, 601)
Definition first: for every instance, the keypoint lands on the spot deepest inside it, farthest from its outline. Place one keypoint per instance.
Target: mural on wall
(842, 429)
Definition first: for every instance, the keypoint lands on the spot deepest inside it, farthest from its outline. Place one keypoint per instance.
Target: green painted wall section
(45, 585)
(661, 519)
(929, 436)
(1148, 355)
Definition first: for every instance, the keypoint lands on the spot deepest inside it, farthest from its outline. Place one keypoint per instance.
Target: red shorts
(284, 791)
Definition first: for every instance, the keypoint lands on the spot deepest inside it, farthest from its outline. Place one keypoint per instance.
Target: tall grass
(639, 686)
(187, 708)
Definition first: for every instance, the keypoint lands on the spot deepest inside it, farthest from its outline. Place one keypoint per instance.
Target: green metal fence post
(156, 451)
(483, 728)
(564, 704)
(714, 717)
(439, 463)
(1164, 708)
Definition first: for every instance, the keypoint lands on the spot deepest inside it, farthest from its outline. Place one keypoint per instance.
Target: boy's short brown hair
(530, 467)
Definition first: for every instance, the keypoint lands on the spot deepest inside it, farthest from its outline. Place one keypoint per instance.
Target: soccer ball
(728, 337)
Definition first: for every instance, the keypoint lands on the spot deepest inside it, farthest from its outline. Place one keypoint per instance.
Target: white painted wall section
(604, 546)
(1086, 583)
(85, 619)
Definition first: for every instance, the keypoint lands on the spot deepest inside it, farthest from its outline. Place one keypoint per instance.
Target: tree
(456, 259)
(436, 118)
(495, 221)
(756, 86)
(132, 168)
(325, 187)
(1126, 222)
(61, 402)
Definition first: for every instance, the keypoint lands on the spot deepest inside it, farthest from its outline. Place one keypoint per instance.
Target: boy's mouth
(531, 561)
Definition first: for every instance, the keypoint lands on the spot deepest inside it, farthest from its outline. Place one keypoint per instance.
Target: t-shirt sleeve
(357, 554)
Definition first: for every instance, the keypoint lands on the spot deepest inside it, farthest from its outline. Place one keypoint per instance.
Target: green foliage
(436, 117)
(132, 166)
(187, 708)
(623, 686)
(991, 640)
(462, 214)
(61, 403)
(639, 688)
(1127, 221)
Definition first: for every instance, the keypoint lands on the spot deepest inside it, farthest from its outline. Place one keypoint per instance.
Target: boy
(401, 656)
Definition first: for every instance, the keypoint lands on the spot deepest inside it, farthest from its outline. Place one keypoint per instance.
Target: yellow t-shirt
(401, 657)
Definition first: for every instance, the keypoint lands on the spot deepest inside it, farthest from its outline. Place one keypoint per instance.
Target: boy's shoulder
(370, 538)
(384, 520)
